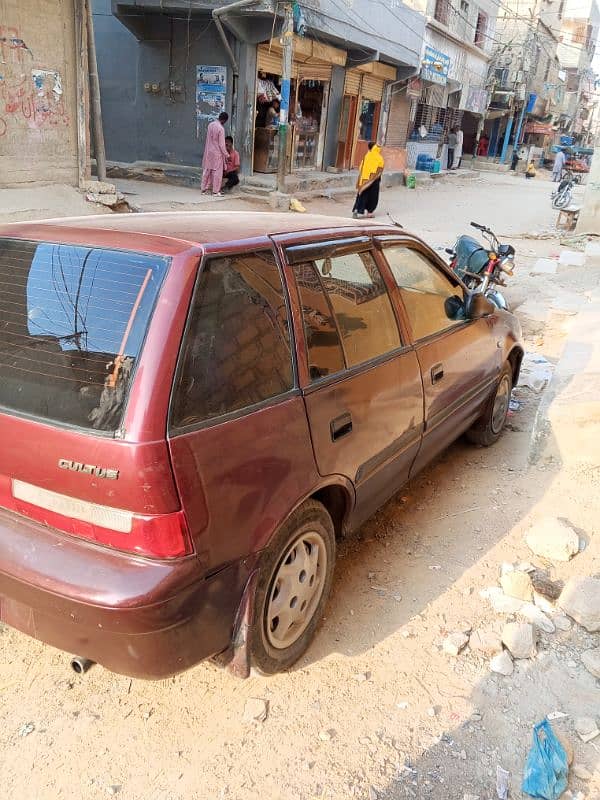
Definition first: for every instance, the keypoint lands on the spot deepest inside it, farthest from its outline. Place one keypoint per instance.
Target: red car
(194, 407)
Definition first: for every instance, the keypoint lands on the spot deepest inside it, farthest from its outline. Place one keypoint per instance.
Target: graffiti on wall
(29, 97)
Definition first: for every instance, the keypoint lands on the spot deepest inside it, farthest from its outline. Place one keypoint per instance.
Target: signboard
(541, 128)
(211, 93)
(435, 66)
(531, 101)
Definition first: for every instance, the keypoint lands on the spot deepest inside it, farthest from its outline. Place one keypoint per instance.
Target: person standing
(459, 148)
(452, 142)
(559, 165)
(232, 166)
(368, 182)
(215, 156)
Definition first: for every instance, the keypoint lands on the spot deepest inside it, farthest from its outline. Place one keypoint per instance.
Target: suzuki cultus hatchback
(194, 407)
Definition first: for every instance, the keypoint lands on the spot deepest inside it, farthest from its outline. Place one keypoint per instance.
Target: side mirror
(478, 306)
(454, 307)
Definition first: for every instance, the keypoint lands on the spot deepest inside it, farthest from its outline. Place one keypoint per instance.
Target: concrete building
(578, 37)
(527, 82)
(175, 71)
(38, 93)
(453, 82)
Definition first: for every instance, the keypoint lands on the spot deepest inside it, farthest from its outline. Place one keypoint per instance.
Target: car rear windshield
(72, 323)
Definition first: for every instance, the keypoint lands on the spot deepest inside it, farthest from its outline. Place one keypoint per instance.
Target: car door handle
(437, 373)
(340, 426)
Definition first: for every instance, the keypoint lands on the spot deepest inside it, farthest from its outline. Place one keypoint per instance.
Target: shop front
(361, 111)
(309, 103)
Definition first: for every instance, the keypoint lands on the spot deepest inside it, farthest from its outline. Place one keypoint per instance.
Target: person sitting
(482, 147)
(272, 117)
(530, 171)
(232, 165)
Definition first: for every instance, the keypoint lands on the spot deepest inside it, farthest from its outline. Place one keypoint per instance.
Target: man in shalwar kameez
(215, 155)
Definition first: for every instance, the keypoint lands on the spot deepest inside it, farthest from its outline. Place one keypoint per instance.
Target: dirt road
(376, 709)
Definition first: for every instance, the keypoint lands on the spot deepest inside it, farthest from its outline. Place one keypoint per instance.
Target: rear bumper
(134, 616)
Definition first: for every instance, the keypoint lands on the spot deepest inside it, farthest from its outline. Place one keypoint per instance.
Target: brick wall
(38, 139)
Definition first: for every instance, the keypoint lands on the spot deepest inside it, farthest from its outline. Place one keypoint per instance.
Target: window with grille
(442, 11)
(481, 29)
(435, 120)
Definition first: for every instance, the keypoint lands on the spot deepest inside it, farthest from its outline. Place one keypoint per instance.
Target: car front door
(363, 388)
(459, 358)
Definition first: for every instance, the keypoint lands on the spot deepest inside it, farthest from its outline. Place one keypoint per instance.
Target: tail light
(156, 536)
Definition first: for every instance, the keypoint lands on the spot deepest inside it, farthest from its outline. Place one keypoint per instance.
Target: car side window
(425, 291)
(325, 355)
(361, 306)
(236, 350)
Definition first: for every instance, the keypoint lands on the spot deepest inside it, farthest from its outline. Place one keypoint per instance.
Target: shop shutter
(269, 61)
(313, 72)
(352, 82)
(372, 88)
(398, 120)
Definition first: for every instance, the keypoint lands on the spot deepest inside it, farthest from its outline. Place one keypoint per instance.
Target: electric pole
(284, 113)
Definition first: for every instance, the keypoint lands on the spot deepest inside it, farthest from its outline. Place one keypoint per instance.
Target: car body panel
(237, 478)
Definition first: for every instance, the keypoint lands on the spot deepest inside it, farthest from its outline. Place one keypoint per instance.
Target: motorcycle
(481, 269)
(561, 197)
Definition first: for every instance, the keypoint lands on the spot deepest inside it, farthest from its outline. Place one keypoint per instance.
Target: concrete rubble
(517, 584)
(553, 539)
(455, 642)
(519, 638)
(580, 599)
(591, 661)
(502, 663)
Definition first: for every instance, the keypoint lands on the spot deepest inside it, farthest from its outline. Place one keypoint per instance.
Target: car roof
(191, 228)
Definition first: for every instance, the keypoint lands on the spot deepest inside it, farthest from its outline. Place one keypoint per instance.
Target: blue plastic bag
(546, 771)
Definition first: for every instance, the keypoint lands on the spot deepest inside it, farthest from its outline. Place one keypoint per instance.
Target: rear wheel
(488, 428)
(294, 582)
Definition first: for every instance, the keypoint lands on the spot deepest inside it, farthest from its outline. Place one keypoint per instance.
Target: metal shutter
(372, 88)
(269, 60)
(314, 72)
(352, 82)
(398, 120)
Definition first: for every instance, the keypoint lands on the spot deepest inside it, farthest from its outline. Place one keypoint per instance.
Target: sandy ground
(376, 709)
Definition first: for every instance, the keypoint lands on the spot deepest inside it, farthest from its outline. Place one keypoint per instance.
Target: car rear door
(362, 384)
(459, 358)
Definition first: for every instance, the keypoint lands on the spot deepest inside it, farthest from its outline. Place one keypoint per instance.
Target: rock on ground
(454, 643)
(553, 539)
(591, 661)
(543, 585)
(502, 663)
(485, 642)
(562, 622)
(537, 617)
(586, 728)
(517, 584)
(500, 602)
(519, 638)
(581, 600)
(582, 772)
(255, 710)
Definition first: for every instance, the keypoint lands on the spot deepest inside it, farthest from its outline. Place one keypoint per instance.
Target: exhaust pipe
(81, 665)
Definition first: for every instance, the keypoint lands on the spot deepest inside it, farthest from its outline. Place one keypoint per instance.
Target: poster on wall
(211, 93)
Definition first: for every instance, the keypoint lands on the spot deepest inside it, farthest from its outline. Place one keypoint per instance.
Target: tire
(562, 199)
(297, 566)
(488, 428)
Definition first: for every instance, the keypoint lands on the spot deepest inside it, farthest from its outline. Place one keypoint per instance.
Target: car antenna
(397, 224)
